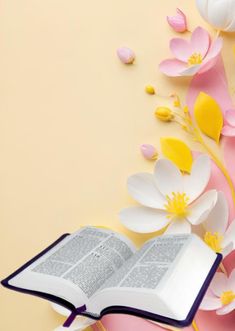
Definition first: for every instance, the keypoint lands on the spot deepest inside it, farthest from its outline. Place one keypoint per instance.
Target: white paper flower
(219, 13)
(221, 294)
(169, 198)
(218, 235)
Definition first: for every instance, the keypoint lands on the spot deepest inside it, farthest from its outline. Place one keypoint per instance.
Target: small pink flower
(195, 56)
(229, 129)
(221, 294)
(178, 22)
(149, 151)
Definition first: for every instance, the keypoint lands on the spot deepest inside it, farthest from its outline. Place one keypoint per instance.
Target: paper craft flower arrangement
(180, 195)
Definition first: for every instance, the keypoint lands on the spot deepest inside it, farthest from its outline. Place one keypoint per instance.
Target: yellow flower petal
(178, 152)
(208, 116)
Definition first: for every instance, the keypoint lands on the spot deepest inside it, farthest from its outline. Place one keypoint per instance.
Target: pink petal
(214, 49)
(181, 49)
(229, 155)
(214, 83)
(231, 280)
(207, 65)
(200, 41)
(228, 131)
(230, 116)
(219, 284)
(172, 67)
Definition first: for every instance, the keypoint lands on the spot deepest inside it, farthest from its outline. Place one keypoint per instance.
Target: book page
(82, 262)
(164, 277)
(147, 267)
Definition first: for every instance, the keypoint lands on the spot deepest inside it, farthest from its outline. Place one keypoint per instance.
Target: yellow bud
(149, 89)
(186, 109)
(164, 114)
(176, 103)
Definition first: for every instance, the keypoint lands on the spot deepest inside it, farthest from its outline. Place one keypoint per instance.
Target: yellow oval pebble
(149, 89)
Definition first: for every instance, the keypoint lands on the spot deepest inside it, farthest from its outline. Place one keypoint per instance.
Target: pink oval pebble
(126, 55)
(149, 151)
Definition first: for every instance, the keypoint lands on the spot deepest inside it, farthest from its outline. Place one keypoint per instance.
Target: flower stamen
(195, 58)
(177, 205)
(214, 240)
(227, 297)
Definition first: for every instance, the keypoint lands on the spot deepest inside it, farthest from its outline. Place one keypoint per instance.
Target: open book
(94, 271)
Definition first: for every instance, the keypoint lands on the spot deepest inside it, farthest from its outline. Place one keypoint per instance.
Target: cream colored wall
(72, 120)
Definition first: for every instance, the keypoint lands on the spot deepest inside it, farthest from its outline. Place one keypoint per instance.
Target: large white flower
(169, 198)
(219, 13)
(219, 235)
(221, 294)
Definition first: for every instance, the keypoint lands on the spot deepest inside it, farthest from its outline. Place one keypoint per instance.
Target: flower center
(214, 240)
(195, 58)
(177, 205)
(227, 297)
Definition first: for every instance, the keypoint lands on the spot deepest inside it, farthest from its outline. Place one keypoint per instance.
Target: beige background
(72, 120)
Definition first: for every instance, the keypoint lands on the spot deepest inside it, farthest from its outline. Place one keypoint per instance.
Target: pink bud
(178, 22)
(149, 151)
(126, 55)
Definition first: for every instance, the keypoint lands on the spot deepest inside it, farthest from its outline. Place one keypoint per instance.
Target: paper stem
(100, 326)
(194, 325)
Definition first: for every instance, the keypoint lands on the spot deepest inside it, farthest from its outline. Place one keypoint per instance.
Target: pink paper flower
(195, 56)
(178, 22)
(221, 294)
(229, 129)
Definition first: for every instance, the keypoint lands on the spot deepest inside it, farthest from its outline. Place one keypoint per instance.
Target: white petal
(219, 284)
(230, 234)
(227, 249)
(178, 226)
(196, 182)
(143, 220)
(217, 220)
(168, 177)
(143, 189)
(210, 303)
(226, 309)
(231, 281)
(200, 209)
